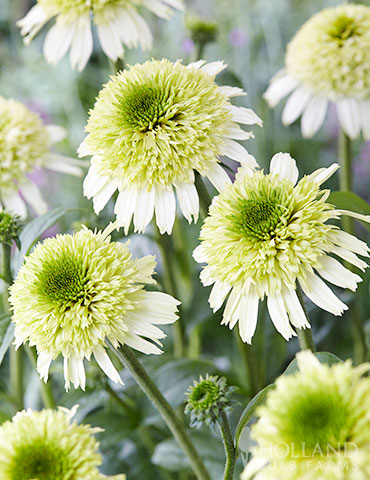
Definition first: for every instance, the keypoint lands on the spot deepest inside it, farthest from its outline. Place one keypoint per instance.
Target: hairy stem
(304, 334)
(127, 357)
(228, 442)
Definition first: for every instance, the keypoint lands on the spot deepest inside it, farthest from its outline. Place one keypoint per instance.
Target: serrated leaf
(6, 334)
(249, 410)
(32, 231)
(345, 200)
(324, 357)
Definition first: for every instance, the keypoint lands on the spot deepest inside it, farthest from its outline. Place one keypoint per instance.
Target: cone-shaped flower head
(314, 425)
(207, 399)
(25, 145)
(266, 232)
(74, 292)
(152, 127)
(118, 23)
(48, 445)
(328, 60)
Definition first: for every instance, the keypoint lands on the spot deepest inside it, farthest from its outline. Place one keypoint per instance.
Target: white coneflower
(152, 127)
(49, 445)
(117, 22)
(315, 425)
(264, 234)
(25, 144)
(328, 61)
(74, 292)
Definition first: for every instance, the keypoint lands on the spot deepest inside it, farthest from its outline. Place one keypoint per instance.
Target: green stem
(169, 280)
(46, 389)
(127, 357)
(228, 442)
(345, 174)
(345, 184)
(250, 364)
(6, 271)
(204, 197)
(304, 334)
(127, 406)
(200, 50)
(117, 66)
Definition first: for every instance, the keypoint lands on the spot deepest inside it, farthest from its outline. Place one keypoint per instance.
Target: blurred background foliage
(251, 36)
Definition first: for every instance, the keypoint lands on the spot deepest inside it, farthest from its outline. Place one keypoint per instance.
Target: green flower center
(145, 107)
(317, 420)
(64, 281)
(343, 28)
(204, 395)
(259, 218)
(41, 462)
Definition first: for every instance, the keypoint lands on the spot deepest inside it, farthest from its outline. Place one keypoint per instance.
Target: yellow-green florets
(24, 141)
(267, 232)
(73, 292)
(157, 122)
(316, 423)
(330, 54)
(47, 445)
(10, 227)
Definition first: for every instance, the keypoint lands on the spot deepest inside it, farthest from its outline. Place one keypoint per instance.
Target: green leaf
(32, 231)
(6, 334)
(324, 357)
(249, 410)
(345, 200)
(169, 455)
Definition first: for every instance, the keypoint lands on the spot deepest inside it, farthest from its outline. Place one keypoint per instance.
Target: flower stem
(46, 389)
(345, 184)
(204, 197)
(304, 334)
(228, 442)
(166, 247)
(127, 357)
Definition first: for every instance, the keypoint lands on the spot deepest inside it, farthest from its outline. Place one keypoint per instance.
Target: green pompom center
(204, 395)
(343, 28)
(64, 281)
(41, 462)
(259, 218)
(145, 107)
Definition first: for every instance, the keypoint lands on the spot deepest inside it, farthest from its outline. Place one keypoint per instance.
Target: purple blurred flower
(188, 45)
(238, 37)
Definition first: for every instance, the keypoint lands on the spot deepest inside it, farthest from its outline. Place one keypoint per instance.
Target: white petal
(313, 115)
(359, 216)
(15, 204)
(144, 209)
(144, 34)
(32, 23)
(214, 68)
(294, 308)
(110, 41)
(349, 116)
(218, 294)
(307, 362)
(60, 163)
(107, 366)
(232, 91)
(248, 314)
(280, 86)
(199, 254)
(350, 242)
(160, 307)
(244, 115)
(44, 360)
(125, 207)
(285, 166)
(56, 133)
(218, 177)
(196, 65)
(349, 257)
(83, 150)
(82, 44)
(295, 105)
(146, 266)
(165, 209)
(237, 133)
(158, 8)
(102, 197)
(253, 467)
(234, 150)
(93, 182)
(335, 273)
(231, 312)
(365, 118)
(74, 372)
(188, 200)
(58, 40)
(141, 344)
(322, 296)
(320, 175)
(32, 195)
(279, 317)
(206, 276)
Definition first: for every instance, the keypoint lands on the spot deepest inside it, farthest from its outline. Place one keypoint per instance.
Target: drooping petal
(218, 177)
(165, 209)
(125, 207)
(102, 197)
(82, 44)
(314, 115)
(14, 203)
(144, 209)
(188, 200)
(365, 118)
(218, 294)
(44, 360)
(32, 195)
(58, 40)
(349, 116)
(294, 308)
(105, 363)
(295, 105)
(279, 316)
(248, 314)
(321, 295)
(335, 273)
(244, 115)
(280, 87)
